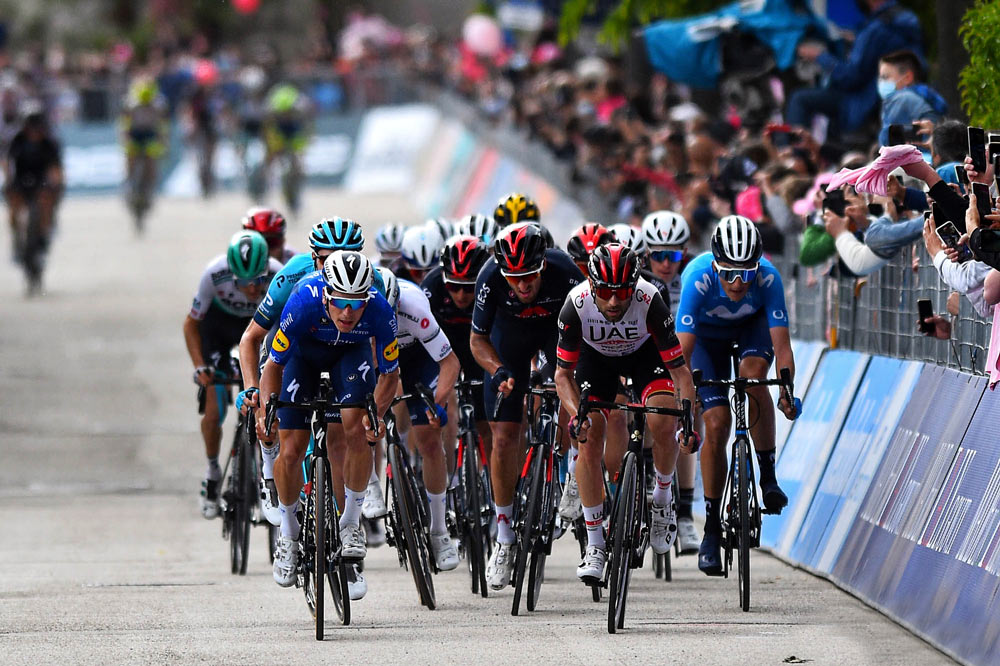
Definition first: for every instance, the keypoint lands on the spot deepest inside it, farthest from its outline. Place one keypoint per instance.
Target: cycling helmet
(550, 242)
(462, 257)
(144, 90)
(421, 246)
(390, 286)
(663, 227)
(247, 255)
(482, 227)
(444, 227)
(631, 238)
(515, 208)
(267, 221)
(737, 242)
(586, 239)
(389, 239)
(613, 265)
(283, 98)
(336, 233)
(520, 249)
(348, 272)
(206, 73)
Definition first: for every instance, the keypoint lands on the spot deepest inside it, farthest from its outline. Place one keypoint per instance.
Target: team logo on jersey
(425, 322)
(703, 284)
(280, 342)
(391, 352)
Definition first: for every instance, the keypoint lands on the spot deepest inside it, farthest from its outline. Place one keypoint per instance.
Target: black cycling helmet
(520, 249)
(515, 208)
(462, 257)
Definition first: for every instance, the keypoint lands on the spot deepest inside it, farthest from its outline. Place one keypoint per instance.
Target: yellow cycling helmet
(283, 98)
(515, 208)
(144, 90)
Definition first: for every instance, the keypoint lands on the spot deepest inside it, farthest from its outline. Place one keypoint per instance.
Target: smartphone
(993, 149)
(962, 175)
(876, 209)
(781, 139)
(977, 148)
(983, 201)
(993, 137)
(948, 233)
(939, 216)
(835, 201)
(896, 135)
(925, 311)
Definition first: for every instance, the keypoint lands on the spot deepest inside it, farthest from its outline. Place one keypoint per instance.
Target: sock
(352, 507)
(268, 456)
(374, 477)
(594, 517)
(713, 518)
(661, 493)
(765, 460)
(505, 533)
(438, 524)
(685, 498)
(213, 472)
(574, 453)
(289, 521)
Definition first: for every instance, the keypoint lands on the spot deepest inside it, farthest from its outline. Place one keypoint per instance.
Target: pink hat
(748, 204)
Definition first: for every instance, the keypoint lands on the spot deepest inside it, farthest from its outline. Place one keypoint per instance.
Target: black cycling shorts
(600, 374)
(516, 349)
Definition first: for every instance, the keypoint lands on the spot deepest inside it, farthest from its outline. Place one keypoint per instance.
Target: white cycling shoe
(591, 569)
(663, 529)
(352, 542)
(209, 500)
(500, 566)
(570, 506)
(374, 503)
(688, 536)
(445, 551)
(357, 587)
(269, 502)
(286, 561)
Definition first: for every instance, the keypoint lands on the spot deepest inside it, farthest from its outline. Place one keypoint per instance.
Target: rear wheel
(529, 523)
(623, 529)
(410, 523)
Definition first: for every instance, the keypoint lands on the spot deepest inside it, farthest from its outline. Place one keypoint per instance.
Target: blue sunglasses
(730, 274)
(344, 303)
(667, 255)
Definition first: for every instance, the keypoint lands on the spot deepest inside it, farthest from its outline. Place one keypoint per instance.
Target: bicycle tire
(743, 564)
(417, 554)
(319, 541)
(33, 248)
(336, 569)
(273, 532)
(623, 529)
(245, 497)
(474, 547)
(532, 510)
(536, 576)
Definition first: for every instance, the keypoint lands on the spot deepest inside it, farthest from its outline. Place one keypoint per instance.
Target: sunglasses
(464, 287)
(730, 274)
(321, 258)
(667, 255)
(344, 303)
(251, 282)
(622, 293)
(523, 277)
(418, 274)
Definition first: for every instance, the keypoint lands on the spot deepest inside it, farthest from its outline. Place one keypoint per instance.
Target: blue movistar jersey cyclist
(706, 310)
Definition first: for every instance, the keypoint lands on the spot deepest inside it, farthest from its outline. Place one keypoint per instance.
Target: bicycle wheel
(743, 508)
(336, 568)
(412, 530)
(473, 518)
(245, 496)
(34, 249)
(529, 522)
(623, 530)
(319, 541)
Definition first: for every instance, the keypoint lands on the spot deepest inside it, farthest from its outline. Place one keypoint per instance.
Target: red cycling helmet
(520, 249)
(461, 259)
(266, 221)
(586, 239)
(613, 266)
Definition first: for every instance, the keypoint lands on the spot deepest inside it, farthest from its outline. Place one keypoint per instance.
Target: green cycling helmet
(283, 98)
(247, 255)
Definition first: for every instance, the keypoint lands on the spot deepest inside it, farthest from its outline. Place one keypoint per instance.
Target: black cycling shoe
(709, 555)
(774, 498)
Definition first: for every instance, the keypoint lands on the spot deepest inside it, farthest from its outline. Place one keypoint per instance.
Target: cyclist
(483, 228)
(628, 331)
(518, 297)
(732, 295)
(204, 108)
(33, 171)
(389, 243)
(271, 225)
(666, 234)
(328, 324)
(514, 208)
(144, 126)
(419, 253)
(326, 236)
(585, 240)
(230, 289)
(287, 129)
(444, 227)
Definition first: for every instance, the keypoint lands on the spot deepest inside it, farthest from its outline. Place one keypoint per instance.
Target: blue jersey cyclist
(732, 295)
(329, 324)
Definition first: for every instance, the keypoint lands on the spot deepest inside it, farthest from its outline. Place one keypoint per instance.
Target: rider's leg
(357, 466)
(15, 206)
(685, 483)
(761, 412)
(47, 198)
(427, 439)
(505, 465)
(450, 435)
(617, 438)
(714, 463)
(336, 449)
(589, 479)
(665, 449)
(288, 477)
(211, 433)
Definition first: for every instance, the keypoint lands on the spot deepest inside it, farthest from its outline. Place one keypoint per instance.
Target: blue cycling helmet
(336, 233)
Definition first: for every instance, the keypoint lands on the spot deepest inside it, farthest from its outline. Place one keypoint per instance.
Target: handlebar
(784, 380)
(684, 413)
(420, 391)
(273, 405)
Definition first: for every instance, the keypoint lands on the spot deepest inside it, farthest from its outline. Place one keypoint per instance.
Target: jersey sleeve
(774, 300)
(274, 300)
(203, 296)
(287, 335)
(386, 345)
(694, 289)
(570, 335)
(660, 324)
(485, 311)
(433, 338)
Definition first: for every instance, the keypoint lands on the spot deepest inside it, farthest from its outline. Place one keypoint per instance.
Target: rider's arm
(199, 308)
(435, 342)
(385, 390)
(660, 323)
(192, 338)
(777, 320)
(447, 376)
(270, 379)
(483, 317)
(484, 352)
(782, 342)
(567, 354)
(250, 354)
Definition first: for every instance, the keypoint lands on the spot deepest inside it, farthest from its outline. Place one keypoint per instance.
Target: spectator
(865, 243)
(849, 95)
(905, 98)
(966, 278)
(949, 144)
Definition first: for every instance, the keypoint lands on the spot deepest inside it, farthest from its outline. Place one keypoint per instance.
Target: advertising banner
(389, 146)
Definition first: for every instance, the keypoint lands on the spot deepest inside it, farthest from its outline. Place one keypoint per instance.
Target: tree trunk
(951, 54)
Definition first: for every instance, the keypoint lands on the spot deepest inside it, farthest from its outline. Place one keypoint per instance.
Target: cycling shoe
(709, 555)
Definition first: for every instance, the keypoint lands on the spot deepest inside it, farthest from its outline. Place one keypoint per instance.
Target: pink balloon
(482, 35)
(246, 6)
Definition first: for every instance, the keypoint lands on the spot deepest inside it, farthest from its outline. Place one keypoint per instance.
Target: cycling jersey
(417, 323)
(647, 317)
(287, 253)
(31, 160)
(666, 290)
(705, 310)
(217, 288)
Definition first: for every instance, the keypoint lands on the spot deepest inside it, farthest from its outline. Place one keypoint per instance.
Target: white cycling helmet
(421, 246)
(389, 239)
(630, 237)
(444, 226)
(391, 292)
(348, 272)
(737, 242)
(482, 227)
(664, 227)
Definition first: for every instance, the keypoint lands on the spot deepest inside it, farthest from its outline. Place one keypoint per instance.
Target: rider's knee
(754, 367)
(717, 425)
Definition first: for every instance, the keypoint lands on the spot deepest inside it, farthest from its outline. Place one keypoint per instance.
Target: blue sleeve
(286, 338)
(485, 310)
(276, 297)
(692, 300)
(774, 300)
(386, 345)
(861, 66)
(915, 200)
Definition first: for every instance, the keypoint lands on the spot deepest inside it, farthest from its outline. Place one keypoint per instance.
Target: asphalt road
(106, 559)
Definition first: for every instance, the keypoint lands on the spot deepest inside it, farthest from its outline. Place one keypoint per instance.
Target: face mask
(885, 87)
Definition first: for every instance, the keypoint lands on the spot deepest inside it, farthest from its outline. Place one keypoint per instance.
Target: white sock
(594, 517)
(661, 494)
(213, 472)
(505, 533)
(352, 507)
(289, 521)
(374, 477)
(574, 453)
(437, 502)
(269, 455)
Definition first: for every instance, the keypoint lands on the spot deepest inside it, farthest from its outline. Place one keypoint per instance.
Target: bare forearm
(270, 380)
(448, 373)
(250, 354)
(568, 391)
(385, 390)
(192, 338)
(687, 345)
(484, 353)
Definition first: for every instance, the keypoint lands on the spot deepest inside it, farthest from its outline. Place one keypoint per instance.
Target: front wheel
(529, 523)
(319, 542)
(744, 476)
(410, 524)
(623, 530)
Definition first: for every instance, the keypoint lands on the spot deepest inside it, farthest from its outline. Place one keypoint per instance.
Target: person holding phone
(966, 278)
(845, 215)
(905, 97)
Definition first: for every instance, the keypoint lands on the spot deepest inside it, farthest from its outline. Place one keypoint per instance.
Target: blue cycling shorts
(713, 353)
(417, 367)
(352, 377)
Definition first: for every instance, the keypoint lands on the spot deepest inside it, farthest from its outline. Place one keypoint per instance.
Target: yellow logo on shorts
(280, 342)
(391, 352)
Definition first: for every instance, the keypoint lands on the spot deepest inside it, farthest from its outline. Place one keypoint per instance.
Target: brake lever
(272, 411)
(372, 409)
